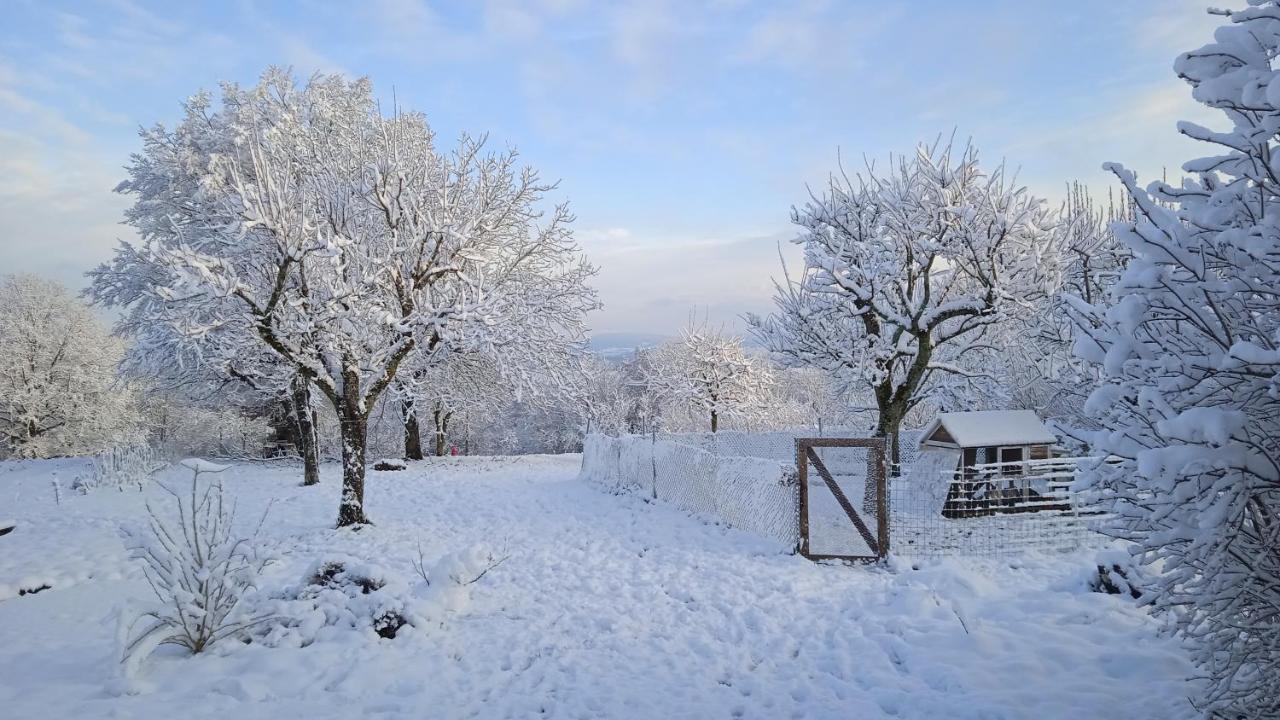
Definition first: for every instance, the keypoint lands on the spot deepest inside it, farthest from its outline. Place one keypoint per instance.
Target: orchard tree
(453, 384)
(1041, 371)
(217, 360)
(608, 399)
(906, 271)
(1187, 343)
(710, 373)
(524, 360)
(340, 239)
(808, 397)
(59, 391)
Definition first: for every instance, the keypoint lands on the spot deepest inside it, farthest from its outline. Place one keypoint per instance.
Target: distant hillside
(620, 346)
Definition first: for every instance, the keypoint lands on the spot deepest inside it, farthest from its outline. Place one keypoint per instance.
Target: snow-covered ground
(607, 607)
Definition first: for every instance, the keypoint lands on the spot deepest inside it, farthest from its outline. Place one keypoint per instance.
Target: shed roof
(986, 428)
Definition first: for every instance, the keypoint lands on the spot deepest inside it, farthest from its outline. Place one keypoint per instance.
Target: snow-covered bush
(1116, 575)
(199, 569)
(120, 467)
(1188, 344)
(343, 594)
(183, 428)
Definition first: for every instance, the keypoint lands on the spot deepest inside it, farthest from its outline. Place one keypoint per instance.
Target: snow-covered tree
(181, 425)
(1188, 346)
(709, 373)
(643, 401)
(1041, 371)
(341, 240)
(808, 397)
(59, 391)
(906, 270)
(451, 385)
(609, 398)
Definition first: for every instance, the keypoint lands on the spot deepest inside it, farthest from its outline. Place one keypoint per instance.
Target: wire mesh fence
(940, 508)
(935, 506)
(757, 494)
(843, 502)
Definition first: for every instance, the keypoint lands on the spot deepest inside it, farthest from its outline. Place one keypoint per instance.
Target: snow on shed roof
(984, 428)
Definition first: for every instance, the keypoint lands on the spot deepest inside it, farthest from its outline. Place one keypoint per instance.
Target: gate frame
(876, 469)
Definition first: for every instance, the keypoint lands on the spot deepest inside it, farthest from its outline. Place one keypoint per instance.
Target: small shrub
(199, 571)
(388, 624)
(348, 594)
(1116, 575)
(334, 574)
(120, 467)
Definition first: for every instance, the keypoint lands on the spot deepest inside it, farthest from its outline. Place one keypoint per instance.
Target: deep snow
(607, 607)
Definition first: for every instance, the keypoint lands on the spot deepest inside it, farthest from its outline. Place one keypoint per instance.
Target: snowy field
(606, 607)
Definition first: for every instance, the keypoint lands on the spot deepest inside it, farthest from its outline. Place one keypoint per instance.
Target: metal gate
(831, 526)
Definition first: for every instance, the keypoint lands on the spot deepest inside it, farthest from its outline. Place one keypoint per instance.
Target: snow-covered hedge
(757, 494)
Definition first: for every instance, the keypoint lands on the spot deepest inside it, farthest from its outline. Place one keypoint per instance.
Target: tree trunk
(354, 442)
(304, 418)
(894, 457)
(412, 433)
(887, 427)
(441, 419)
(715, 421)
(354, 426)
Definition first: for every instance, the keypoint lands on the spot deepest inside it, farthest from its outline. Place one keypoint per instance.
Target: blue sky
(681, 132)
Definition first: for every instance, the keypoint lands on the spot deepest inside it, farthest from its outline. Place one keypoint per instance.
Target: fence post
(882, 504)
(802, 485)
(653, 462)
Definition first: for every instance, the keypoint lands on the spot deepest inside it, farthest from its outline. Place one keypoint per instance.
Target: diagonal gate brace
(844, 501)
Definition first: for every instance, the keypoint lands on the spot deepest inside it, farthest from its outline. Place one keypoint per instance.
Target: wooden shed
(1009, 438)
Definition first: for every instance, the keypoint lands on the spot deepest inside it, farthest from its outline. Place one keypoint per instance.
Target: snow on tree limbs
(302, 221)
(905, 272)
(1187, 346)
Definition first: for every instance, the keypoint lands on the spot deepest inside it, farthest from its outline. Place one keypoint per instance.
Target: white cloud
(651, 284)
(645, 39)
(813, 37)
(1138, 130)
(305, 59)
(57, 211)
(1181, 25)
(414, 32)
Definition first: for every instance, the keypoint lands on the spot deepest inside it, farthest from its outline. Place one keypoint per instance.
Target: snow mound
(204, 466)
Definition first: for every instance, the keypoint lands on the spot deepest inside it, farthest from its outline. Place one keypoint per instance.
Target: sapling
(199, 569)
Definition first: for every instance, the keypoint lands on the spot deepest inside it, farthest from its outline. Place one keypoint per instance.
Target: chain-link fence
(753, 493)
(936, 507)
